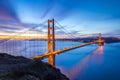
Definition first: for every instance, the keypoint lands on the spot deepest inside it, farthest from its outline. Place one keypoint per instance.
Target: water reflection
(95, 57)
(99, 50)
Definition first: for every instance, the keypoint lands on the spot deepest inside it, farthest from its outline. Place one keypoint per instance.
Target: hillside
(20, 68)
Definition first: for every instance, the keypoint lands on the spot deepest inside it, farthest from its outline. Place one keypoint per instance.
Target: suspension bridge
(8, 45)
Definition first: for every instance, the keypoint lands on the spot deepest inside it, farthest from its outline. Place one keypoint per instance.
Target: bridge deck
(45, 55)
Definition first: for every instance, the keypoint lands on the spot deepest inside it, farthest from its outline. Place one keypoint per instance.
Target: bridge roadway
(45, 55)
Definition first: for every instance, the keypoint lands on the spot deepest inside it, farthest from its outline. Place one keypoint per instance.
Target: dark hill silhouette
(20, 68)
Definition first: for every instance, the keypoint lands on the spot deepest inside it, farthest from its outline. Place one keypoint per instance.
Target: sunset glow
(78, 17)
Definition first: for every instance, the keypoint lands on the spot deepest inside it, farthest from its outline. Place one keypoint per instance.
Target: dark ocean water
(91, 62)
(87, 63)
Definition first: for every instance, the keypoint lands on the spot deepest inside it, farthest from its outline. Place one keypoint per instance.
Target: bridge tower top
(99, 37)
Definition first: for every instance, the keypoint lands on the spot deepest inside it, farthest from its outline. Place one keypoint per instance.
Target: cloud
(7, 12)
(114, 33)
(19, 28)
(69, 13)
(12, 25)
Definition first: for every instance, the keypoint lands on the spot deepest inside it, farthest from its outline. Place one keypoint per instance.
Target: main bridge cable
(15, 35)
(67, 33)
(64, 30)
(23, 32)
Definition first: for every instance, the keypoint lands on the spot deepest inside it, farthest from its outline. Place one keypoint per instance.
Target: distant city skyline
(77, 16)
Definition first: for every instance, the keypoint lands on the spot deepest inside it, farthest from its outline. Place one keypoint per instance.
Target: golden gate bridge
(8, 45)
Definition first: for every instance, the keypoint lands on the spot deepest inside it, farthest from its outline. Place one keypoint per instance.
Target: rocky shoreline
(21, 68)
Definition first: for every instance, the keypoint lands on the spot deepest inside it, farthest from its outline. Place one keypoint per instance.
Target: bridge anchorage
(50, 54)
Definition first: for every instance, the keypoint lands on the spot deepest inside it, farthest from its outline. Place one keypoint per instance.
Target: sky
(76, 16)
